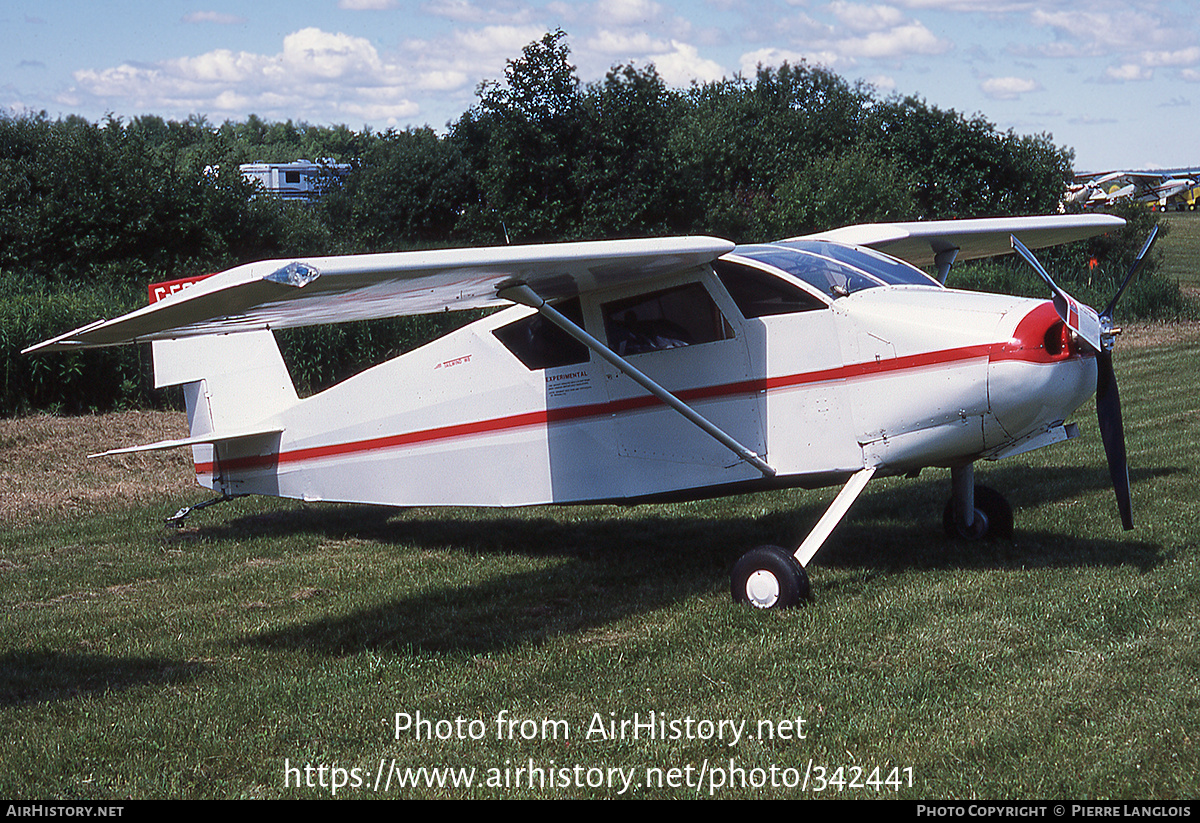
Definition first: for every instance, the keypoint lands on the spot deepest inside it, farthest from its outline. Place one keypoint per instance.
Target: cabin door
(679, 337)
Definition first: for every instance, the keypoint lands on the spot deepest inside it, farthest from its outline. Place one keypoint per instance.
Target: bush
(89, 380)
(1091, 271)
(319, 356)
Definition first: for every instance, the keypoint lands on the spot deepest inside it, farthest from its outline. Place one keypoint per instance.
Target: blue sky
(1113, 80)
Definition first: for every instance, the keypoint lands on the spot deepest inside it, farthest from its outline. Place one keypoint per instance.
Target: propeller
(1098, 332)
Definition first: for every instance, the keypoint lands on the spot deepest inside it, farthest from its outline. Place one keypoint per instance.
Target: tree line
(92, 212)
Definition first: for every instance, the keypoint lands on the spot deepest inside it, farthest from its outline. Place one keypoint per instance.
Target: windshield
(888, 269)
(836, 269)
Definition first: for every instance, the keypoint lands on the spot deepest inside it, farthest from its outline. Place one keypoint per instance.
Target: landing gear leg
(975, 512)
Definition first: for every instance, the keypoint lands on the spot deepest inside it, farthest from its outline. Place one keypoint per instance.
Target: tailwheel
(769, 577)
(993, 517)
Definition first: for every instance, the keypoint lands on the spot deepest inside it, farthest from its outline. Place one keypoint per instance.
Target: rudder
(231, 382)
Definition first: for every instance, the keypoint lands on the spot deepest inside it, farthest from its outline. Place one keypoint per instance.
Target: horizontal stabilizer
(921, 242)
(277, 294)
(199, 439)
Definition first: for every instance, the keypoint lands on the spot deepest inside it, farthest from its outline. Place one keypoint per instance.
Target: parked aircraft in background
(1161, 191)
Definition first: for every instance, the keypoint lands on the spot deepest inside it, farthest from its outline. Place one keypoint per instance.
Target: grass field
(274, 650)
(1181, 248)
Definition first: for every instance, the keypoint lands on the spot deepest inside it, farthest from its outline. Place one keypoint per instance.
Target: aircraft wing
(288, 293)
(921, 242)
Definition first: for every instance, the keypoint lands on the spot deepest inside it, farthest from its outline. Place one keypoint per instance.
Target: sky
(1114, 80)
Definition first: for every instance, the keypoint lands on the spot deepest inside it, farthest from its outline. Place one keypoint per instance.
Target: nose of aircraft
(1041, 375)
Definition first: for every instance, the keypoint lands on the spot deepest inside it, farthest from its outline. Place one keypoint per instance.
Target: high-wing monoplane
(1157, 189)
(642, 369)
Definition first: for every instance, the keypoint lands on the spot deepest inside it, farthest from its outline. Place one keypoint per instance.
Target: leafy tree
(837, 190)
(962, 167)
(410, 187)
(628, 174)
(130, 202)
(522, 141)
(743, 139)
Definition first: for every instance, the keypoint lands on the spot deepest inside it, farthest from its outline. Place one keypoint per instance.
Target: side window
(758, 294)
(540, 344)
(682, 316)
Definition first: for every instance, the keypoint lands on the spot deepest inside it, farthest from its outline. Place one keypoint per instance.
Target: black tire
(993, 515)
(769, 577)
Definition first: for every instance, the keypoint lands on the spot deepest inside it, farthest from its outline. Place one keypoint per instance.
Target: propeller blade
(1080, 318)
(1020, 249)
(1097, 331)
(1112, 433)
(1108, 400)
(1137, 264)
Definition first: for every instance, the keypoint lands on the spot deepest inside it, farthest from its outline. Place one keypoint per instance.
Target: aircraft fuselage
(821, 373)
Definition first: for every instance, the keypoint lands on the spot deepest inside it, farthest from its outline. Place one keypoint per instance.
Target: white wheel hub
(762, 589)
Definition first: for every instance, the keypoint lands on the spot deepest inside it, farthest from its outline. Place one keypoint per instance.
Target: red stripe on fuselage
(1011, 350)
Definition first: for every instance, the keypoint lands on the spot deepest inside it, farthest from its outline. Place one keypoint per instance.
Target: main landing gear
(770, 577)
(773, 578)
(975, 512)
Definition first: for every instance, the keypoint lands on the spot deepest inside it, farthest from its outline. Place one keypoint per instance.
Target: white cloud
(1097, 33)
(882, 82)
(1181, 57)
(466, 11)
(866, 18)
(860, 32)
(1137, 39)
(980, 6)
(682, 64)
(483, 46)
(1008, 88)
(750, 61)
(444, 80)
(626, 12)
(316, 74)
(366, 5)
(213, 17)
(624, 44)
(1128, 72)
(899, 41)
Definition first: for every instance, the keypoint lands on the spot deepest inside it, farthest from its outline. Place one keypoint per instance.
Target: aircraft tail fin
(231, 383)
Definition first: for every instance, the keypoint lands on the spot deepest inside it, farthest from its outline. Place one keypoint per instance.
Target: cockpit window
(836, 269)
(540, 344)
(828, 275)
(669, 319)
(759, 294)
(888, 269)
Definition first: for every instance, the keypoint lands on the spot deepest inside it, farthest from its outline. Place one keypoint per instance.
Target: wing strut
(521, 293)
(944, 260)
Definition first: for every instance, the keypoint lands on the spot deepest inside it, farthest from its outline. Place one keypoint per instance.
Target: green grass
(1181, 249)
(141, 663)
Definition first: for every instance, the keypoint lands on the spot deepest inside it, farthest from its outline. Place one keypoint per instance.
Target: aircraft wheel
(769, 577)
(993, 517)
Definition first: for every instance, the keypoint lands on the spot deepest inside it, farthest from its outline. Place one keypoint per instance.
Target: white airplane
(634, 370)
(1150, 187)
